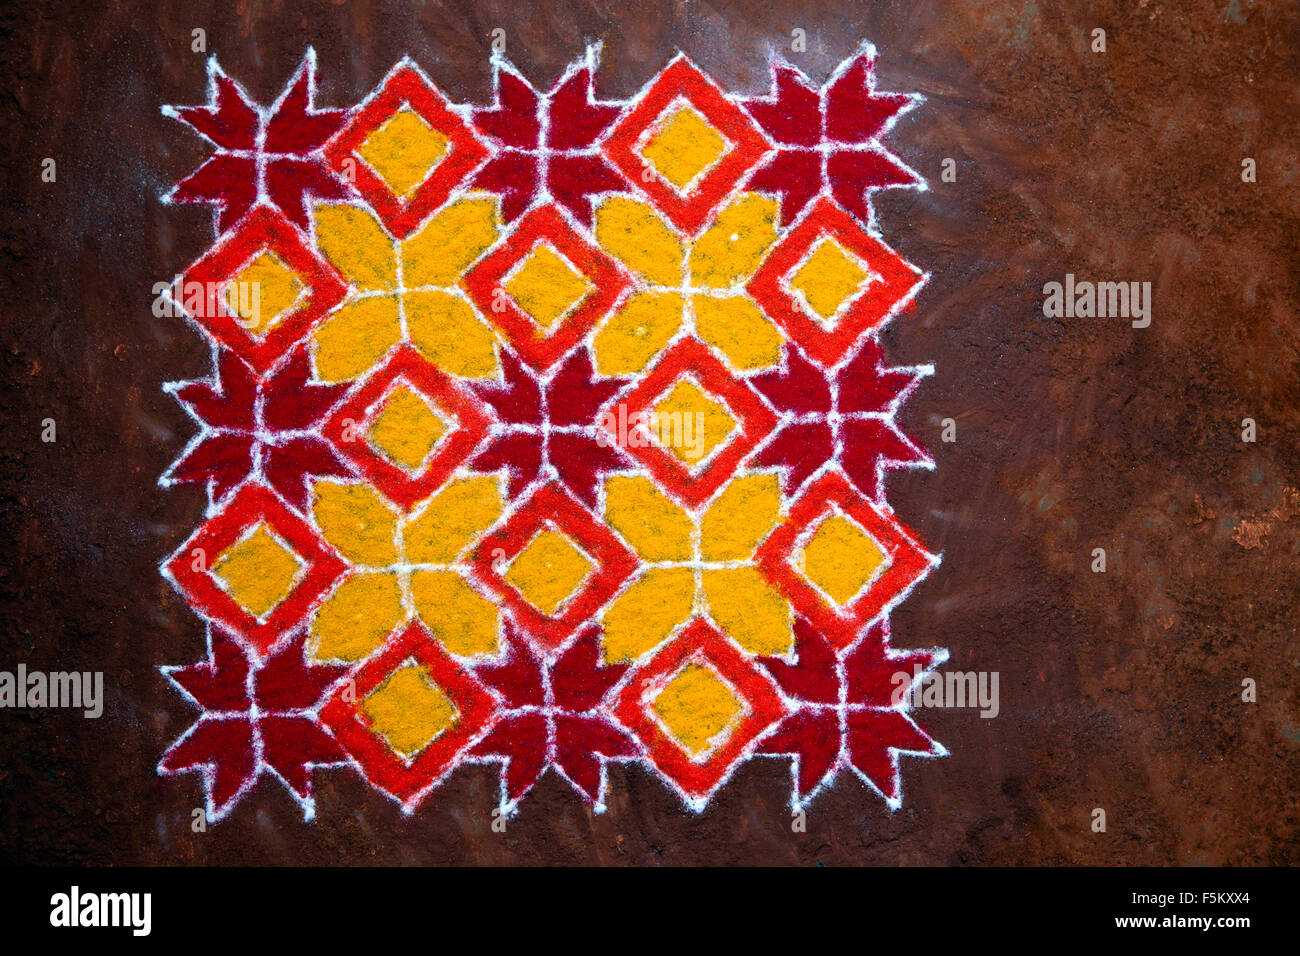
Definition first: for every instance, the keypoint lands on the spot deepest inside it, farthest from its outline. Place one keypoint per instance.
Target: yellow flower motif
(404, 565)
(703, 566)
(702, 284)
(406, 289)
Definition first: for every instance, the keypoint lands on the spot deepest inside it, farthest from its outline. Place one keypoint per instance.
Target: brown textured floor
(1119, 690)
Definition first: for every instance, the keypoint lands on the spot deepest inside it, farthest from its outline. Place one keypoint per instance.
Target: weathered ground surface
(1119, 690)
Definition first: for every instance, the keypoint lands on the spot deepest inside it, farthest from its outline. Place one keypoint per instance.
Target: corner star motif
(853, 716)
(829, 138)
(265, 155)
(257, 719)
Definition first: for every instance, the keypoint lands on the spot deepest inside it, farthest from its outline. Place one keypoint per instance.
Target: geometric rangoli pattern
(546, 433)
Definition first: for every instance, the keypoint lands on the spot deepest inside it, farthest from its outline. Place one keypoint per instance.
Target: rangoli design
(546, 433)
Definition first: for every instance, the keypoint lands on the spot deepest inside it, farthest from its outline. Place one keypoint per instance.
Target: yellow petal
(356, 337)
(632, 232)
(638, 332)
(441, 252)
(453, 519)
(463, 620)
(356, 618)
(731, 249)
(356, 521)
(354, 241)
(655, 526)
(446, 329)
(742, 516)
(745, 606)
(647, 612)
(737, 327)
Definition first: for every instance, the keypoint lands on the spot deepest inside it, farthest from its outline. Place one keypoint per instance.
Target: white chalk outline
(542, 196)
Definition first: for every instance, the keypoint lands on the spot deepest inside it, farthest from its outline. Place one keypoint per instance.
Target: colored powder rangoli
(547, 433)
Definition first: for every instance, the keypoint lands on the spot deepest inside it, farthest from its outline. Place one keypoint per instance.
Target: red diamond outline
(264, 228)
(699, 638)
(403, 489)
(406, 85)
(552, 504)
(749, 146)
(253, 504)
(691, 356)
(909, 562)
(409, 783)
(895, 281)
(534, 345)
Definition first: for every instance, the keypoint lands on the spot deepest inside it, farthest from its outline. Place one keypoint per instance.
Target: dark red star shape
(253, 426)
(829, 138)
(256, 719)
(550, 422)
(861, 421)
(563, 729)
(264, 154)
(856, 719)
(557, 155)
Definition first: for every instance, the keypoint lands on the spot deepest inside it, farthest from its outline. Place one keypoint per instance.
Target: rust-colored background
(1119, 690)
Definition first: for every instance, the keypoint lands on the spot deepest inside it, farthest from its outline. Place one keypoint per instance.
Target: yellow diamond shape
(549, 570)
(684, 146)
(263, 293)
(690, 424)
(697, 707)
(840, 558)
(828, 277)
(409, 710)
(258, 571)
(403, 151)
(406, 430)
(546, 286)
